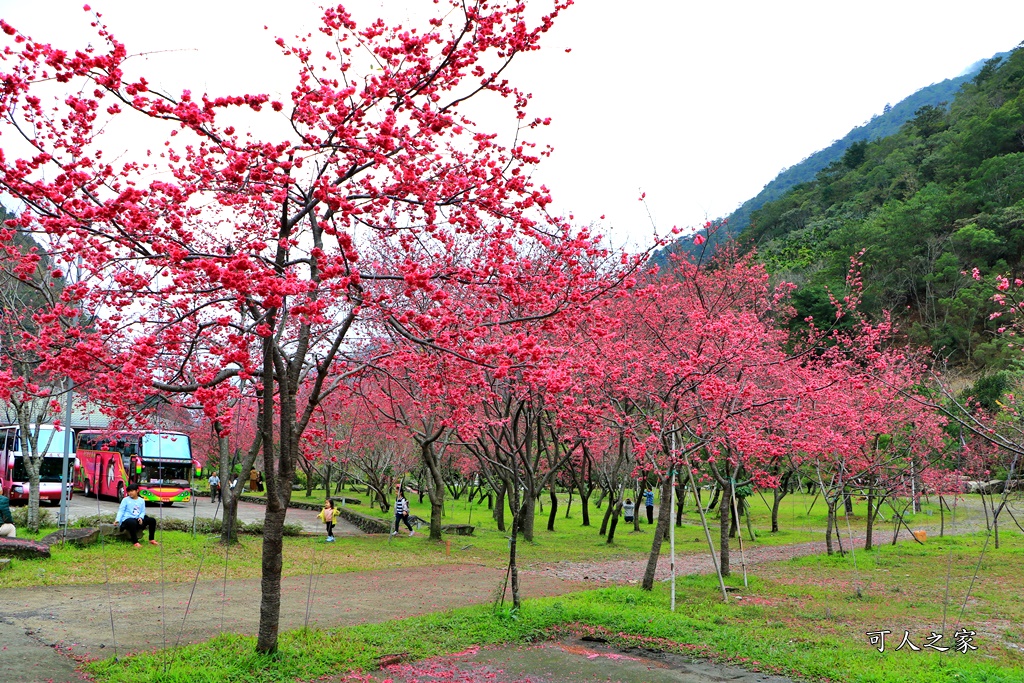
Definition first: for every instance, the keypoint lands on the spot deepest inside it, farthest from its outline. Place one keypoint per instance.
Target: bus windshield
(51, 442)
(165, 473)
(166, 447)
(49, 469)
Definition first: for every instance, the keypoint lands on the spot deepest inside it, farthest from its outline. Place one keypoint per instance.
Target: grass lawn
(801, 519)
(802, 617)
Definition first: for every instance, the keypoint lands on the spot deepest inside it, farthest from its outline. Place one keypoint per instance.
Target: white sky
(698, 104)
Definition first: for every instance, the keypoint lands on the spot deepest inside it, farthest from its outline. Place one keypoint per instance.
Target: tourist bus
(159, 462)
(13, 474)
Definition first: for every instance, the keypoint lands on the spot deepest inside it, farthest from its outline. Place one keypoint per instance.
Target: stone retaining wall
(366, 523)
(371, 525)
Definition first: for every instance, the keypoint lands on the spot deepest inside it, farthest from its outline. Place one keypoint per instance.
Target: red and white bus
(14, 476)
(159, 462)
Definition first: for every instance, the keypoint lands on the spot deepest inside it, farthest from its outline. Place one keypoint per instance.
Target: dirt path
(42, 626)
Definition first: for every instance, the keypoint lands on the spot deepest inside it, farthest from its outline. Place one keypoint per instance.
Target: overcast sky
(696, 104)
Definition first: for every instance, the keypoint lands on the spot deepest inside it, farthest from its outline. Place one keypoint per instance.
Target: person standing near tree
(7, 528)
(627, 510)
(402, 513)
(132, 517)
(649, 504)
(214, 487)
(254, 480)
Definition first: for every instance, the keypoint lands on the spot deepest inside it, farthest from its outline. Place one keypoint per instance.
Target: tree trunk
(613, 513)
(607, 517)
(33, 494)
(527, 515)
(725, 525)
(436, 494)
(499, 507)
(585, 507)
(513, 567)
(778, 493)
(714, 499)
(280, 472)
(870, 524)
(660, 532)
(942, 518)
(436, 486)
(228, 497)
(680, 500)
(831, 505)
(553, 496)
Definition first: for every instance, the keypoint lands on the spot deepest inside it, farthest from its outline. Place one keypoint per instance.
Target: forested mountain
(880, 126)
(942, 195)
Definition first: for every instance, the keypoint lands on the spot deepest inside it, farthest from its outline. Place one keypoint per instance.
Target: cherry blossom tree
(229, 249)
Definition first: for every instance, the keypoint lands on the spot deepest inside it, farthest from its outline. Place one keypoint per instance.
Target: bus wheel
(120, 491)
(88, 489)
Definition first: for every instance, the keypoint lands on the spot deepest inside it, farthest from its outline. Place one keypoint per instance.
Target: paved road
(247, 512)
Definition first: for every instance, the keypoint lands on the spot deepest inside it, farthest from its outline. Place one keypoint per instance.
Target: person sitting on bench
(131, 517)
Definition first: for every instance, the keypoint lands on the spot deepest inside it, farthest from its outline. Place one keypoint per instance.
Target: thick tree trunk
(585, 507)
(554, 506)
(499, 507)
(436, 487)
(680, 500)
(527, 516)
(778, 493)
(436, 495)
(33, 495)
(280, 471)
(660, 532)
(607, 517)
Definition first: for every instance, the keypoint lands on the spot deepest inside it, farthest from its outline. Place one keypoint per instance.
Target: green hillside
(883, 125)
(939, 196)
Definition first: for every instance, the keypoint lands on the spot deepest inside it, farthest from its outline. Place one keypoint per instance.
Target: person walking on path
(327, 516)
(402, 513)
(132, 517)
(649, 504)
(7, 528)
(214, 487)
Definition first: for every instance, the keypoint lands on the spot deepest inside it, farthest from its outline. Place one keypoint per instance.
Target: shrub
(20, 515)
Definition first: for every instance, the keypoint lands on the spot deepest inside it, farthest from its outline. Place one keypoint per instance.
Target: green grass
(801, 519)
(183, 556)
(802, 618)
